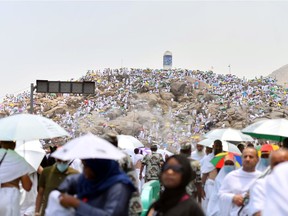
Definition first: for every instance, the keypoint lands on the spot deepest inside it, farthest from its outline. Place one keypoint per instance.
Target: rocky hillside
(281, 75)
(163, 107)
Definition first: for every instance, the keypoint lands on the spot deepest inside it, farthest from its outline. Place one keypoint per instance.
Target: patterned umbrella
(218, 160)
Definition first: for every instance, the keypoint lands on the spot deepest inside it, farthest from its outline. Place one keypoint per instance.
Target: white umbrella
(270, 129)
(128, 142)
(28, 127)
(88, 146)
(228, 134)
(206, 143)
(31, 151)
(228, 147)
(164, 152)
(13, 166)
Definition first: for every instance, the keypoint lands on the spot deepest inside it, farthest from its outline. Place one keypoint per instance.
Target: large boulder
(166, 96)
(57, 110)
(178, 88)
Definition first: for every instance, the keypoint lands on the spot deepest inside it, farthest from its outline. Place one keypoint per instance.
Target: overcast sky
(59, 40)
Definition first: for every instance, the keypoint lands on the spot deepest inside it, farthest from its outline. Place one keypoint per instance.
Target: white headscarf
(213, 205)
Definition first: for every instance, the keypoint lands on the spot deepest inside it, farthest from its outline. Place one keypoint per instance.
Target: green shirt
(50, 179)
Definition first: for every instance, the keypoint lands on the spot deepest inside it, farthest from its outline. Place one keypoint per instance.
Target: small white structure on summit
(167, 60)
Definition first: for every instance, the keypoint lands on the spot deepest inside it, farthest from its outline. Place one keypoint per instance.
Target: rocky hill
(281, 75)
(164, 107)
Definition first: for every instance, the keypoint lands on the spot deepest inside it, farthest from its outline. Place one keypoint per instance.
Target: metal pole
(31, 98)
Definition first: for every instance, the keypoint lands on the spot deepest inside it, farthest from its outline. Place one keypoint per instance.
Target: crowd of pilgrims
(190, 184)
(115, 88)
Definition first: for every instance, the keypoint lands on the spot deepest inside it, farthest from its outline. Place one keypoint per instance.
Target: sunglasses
(175, 168)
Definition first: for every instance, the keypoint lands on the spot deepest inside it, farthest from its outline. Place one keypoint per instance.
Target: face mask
(229, 168)
(62, 167)
(265, 162)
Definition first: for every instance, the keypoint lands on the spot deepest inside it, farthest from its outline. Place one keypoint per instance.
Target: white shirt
(276, 198)
(196, 155)
(236, 182)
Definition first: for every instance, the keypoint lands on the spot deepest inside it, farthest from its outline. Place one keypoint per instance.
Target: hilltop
(281, 75)
(165, 107)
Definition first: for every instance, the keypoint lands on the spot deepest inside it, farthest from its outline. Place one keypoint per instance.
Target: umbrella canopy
(28, 127)
(88, 146)
(228, 147)
(206, 143)
(128, 142)
(270, 129)
(266, 148)
(13, 166)
(269, 148)
(218, 160)
(228, 134)
(31, 151)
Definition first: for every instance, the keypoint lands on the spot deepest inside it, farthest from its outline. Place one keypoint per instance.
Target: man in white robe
(209, 173)
(137, 164)
(233, 192)
(213, 205)
(13, 170)
(276, 198)
(198, 154)
(257, 192)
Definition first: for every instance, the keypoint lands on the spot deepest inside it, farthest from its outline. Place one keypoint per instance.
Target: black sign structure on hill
(45, 86)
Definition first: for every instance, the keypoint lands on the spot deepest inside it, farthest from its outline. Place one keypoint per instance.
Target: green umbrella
(270, 129)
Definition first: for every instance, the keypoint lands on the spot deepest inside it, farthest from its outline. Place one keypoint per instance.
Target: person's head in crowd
(285, 143)
(240, 147)
(217, 147)
(98, 175)
(199, 147)
(208, 150)
(229, 164)
(250, 145)
(185, 149)
(249, 159)
(61, 165)
(176, 173)
(264, 158)
(278, 156)
(136, 151)
(8, 145)
(154, 148)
